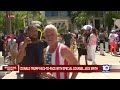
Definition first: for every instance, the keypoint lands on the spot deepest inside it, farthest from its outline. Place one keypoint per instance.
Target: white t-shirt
(112, 37)
(12, 44)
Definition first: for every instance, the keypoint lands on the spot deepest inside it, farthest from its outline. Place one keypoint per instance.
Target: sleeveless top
(55, 58)
(93, 39)
(34, 55)
(80, 42)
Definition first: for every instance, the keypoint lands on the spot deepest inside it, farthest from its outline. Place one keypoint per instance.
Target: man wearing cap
(87, 29)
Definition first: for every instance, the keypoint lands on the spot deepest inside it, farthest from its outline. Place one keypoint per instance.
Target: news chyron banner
(61, 68)
(9, 68)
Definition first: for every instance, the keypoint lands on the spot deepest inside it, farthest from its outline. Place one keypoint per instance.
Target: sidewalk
(11, 75)
(1, 63)
(108, 59)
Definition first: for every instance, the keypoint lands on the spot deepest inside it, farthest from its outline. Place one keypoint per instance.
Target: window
(48, 13)
(56, 13)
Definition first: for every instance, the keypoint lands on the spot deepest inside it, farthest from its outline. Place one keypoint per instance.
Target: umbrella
(112, 30)
(87, 27)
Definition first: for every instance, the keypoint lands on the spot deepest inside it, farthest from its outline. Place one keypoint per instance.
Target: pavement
(107, 59)
(2, 74)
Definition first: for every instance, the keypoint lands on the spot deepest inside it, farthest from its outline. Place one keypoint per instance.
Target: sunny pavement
(1, 63)
(107, 59)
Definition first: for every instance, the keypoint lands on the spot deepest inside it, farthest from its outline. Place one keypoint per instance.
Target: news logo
(2, 67)
(105, 68)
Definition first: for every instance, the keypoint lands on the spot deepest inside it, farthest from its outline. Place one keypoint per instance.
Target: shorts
(82, 51)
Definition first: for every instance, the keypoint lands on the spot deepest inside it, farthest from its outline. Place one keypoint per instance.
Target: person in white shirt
(12, 45)
(93, 43)
(113, 43)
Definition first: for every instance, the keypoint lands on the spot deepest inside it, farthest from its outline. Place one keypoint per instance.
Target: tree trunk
(8, 22)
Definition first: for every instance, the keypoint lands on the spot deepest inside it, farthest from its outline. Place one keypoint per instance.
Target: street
(107, 59)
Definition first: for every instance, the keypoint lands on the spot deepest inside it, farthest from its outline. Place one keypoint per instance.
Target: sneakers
(115, 54)
(102, 54)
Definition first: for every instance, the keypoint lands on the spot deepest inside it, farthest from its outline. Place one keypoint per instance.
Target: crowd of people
(30, 46)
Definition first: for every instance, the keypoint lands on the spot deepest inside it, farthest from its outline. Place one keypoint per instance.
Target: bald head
(50, 28)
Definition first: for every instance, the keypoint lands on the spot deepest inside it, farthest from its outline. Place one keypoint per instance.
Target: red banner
(60, 68)
(9, 68)
(52, 68)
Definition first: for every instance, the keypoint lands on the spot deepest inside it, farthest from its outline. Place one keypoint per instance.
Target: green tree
(81, 18)
(18, 22)
(34, 14)
(109, 15)
(42, 19)
(39, 16)
(73, 15)
(2, 20)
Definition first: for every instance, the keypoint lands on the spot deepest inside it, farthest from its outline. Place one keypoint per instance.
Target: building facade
(61, 19)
